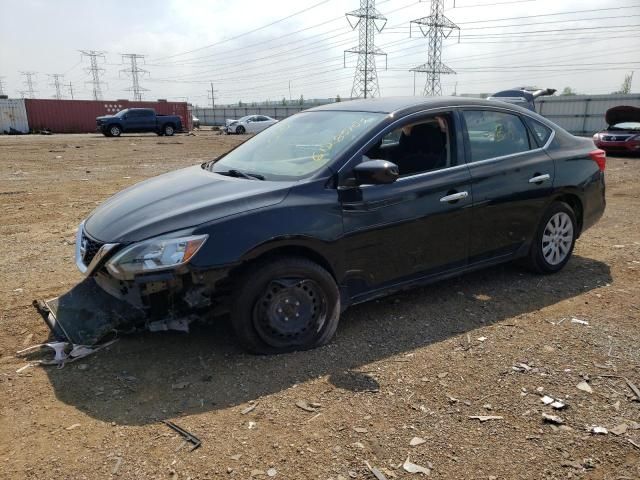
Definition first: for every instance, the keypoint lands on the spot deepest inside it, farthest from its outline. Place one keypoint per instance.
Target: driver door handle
(454, 197)
(540, 178)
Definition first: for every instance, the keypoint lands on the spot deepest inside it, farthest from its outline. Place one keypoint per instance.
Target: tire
(283, 305)
(115, 131)
(240, 130)
(168, 130)
(554, 240)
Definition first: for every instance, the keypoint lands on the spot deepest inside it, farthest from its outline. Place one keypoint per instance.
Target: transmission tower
(70, 87)
(368, 21)
(134, 71)
(57, 84)
(436, 27)
(1, 86)
(29, 83)
(95, 71)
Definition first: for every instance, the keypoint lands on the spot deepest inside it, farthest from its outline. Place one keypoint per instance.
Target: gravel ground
(401, 381)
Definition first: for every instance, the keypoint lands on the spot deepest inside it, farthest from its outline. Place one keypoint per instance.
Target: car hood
(105, 117)
(622, 114)
(178, 200)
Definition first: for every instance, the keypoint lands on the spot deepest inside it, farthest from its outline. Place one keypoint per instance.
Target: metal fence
(582, 114)
(579, 114)
(217, 116)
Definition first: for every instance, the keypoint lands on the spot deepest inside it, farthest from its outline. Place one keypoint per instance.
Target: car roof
(406, 105)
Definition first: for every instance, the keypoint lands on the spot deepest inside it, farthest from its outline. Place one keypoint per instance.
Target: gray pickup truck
(138, 120)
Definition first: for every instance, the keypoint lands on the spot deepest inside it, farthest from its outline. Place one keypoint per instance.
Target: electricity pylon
(57, 84)
(95, 71)
(134, 71)
(369, 21)
(436, 27)
(29, 83)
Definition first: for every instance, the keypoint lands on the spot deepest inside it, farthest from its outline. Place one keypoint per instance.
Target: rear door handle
(540, 178)
(454, 197)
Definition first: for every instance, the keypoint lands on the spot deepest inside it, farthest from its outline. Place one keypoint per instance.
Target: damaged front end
(142, 285)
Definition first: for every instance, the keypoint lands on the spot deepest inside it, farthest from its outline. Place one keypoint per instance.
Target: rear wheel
(115, 131)
(285, 305)
(168, 130)
(554, 241)
(240, 130)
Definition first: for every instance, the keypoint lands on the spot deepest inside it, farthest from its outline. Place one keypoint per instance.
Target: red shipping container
(79, 116)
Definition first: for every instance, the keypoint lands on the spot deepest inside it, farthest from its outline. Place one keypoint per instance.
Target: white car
(249, 124)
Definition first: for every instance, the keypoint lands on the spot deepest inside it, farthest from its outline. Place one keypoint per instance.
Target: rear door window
(494, 134)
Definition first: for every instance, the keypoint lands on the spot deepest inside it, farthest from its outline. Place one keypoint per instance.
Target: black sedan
(341, 204)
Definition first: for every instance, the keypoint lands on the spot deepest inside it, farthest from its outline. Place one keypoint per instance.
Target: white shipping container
(13, 115)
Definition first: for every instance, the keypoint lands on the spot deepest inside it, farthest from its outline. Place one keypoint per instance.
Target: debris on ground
(585, 387)
(64, 352)
(554, 403)
(415, 441)
(579, 322)
(272, 472)
(307, 407)
(188, 437)
(552, 418)
(376, 473)
(413, 468)
(521, 367)
(249, 409)
(619, 429)
(635, 389)
(485, 418)
(599, 430)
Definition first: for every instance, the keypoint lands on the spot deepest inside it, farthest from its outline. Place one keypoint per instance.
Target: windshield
(298, 146)
(626, 126)
(121, 112)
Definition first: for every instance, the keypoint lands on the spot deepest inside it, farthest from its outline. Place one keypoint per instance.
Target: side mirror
(375, 172)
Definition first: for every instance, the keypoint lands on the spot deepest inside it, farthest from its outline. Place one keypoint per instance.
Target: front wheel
(285, 305)
(554, 240)
(240, 130)
(115, 131)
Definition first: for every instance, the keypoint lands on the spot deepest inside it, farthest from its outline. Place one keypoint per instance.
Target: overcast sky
(589, 51)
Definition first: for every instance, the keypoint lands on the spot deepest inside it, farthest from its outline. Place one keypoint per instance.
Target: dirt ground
(418, 364)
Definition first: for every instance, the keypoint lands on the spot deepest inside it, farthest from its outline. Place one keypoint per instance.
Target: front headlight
(155, 254)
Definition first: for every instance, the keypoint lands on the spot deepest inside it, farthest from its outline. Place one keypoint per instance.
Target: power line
(438, 27)
(57, 78)
(29, 83)
(95, 71)
(134, 71)
(247, 33)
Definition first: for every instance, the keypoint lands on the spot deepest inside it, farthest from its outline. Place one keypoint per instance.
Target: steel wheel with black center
(554, 241)
(284, 305)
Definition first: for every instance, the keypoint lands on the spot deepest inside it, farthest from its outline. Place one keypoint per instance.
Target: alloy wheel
(557, 238)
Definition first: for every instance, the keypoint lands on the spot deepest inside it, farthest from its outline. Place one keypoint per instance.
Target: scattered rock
(415, 441)
(249, 409)
(179, 386)
(579, 322)
(620, 429)
(257, 473)
(360, 430)
(552, 419)
(599, 430)
(585, 387)
(521, 367)
(413, 468)
(306, 406)
(272, 472)
(485, 418)
(73, 427)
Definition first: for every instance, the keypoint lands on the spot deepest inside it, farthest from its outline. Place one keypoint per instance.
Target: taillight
(600, 157)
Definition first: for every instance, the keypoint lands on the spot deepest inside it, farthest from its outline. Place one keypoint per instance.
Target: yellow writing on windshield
(346, 133)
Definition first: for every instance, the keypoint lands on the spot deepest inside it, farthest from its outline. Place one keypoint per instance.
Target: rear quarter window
(540, 131)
